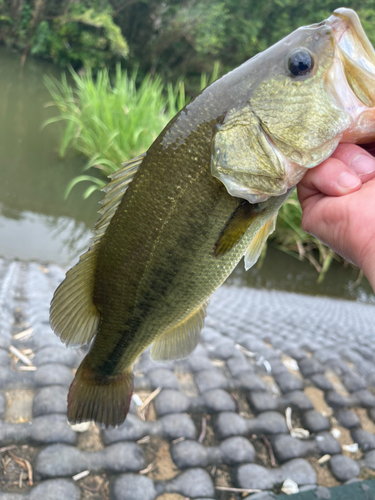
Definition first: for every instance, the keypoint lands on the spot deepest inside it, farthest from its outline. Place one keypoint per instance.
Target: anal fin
(182, 339)
(255, 249)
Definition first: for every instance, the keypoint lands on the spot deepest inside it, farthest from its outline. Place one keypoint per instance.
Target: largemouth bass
(176, 220)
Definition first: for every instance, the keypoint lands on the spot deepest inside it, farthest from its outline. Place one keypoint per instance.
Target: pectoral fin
(257, 218)
(236, 227)
(182, 339)
(255, 249)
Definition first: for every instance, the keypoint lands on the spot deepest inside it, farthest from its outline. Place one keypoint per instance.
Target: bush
(111, 122)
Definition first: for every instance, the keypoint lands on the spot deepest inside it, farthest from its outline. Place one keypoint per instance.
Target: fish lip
(352, 39)
(351, 78)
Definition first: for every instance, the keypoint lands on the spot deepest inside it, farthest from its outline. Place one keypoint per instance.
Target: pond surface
(36, 223)
(281, 271)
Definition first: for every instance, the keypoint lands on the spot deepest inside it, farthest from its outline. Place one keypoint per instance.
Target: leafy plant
(292, 239)
(110, 121)
(107, 122)
(81, 34)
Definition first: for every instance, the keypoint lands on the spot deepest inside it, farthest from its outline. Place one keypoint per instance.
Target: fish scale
(162, 226)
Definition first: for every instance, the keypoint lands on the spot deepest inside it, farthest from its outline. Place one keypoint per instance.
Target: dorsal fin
(73, 315)
(182, 339)
(256, 246)
(114, 191)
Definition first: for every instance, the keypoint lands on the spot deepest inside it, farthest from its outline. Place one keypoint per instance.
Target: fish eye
(300, 63)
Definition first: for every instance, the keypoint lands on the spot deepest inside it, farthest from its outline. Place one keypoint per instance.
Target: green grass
(108, 122)
(292, 239)
(111, 121)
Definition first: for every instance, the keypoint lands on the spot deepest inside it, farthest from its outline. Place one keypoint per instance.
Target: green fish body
(177, 220)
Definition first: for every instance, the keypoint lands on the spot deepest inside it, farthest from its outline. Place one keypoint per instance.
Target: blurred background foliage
(135, 63)
(172, 38)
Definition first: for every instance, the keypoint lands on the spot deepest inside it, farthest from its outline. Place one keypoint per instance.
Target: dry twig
(145, 439)
(270, 450)
(24, 335)
(20, 356)
(18, 460)
(301, 249)
(237, 404)
(6, 448)
(245, 351)
(288, 418)
(97, 487)
(324, 459)
(24, 464)
(148, 469)
(178, 440)
(81, 475)
(358, 280)
(29, 472)
(203, 431)
(148, 400)
(236, 490)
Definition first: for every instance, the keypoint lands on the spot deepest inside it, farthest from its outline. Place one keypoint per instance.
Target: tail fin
(103, 399)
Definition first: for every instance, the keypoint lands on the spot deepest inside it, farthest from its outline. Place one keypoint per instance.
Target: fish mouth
(356, 53)
(355, 64)
(352, 39)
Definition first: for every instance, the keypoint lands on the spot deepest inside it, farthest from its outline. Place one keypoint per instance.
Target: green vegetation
(80, 33)
(292, 239)
(110, 122)
(173, 38)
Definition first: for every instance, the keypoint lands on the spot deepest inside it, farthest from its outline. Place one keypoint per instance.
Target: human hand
(338, 205)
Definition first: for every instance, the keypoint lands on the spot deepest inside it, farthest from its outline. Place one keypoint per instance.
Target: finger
(332, 178)
(360, 162)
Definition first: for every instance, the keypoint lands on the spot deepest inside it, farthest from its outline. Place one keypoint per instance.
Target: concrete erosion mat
(278, 398)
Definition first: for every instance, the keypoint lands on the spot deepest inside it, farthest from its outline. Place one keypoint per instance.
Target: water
(281, 271)
(36, 223)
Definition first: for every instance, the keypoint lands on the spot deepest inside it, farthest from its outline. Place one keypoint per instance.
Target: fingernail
(348, 181)
(363, 164)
